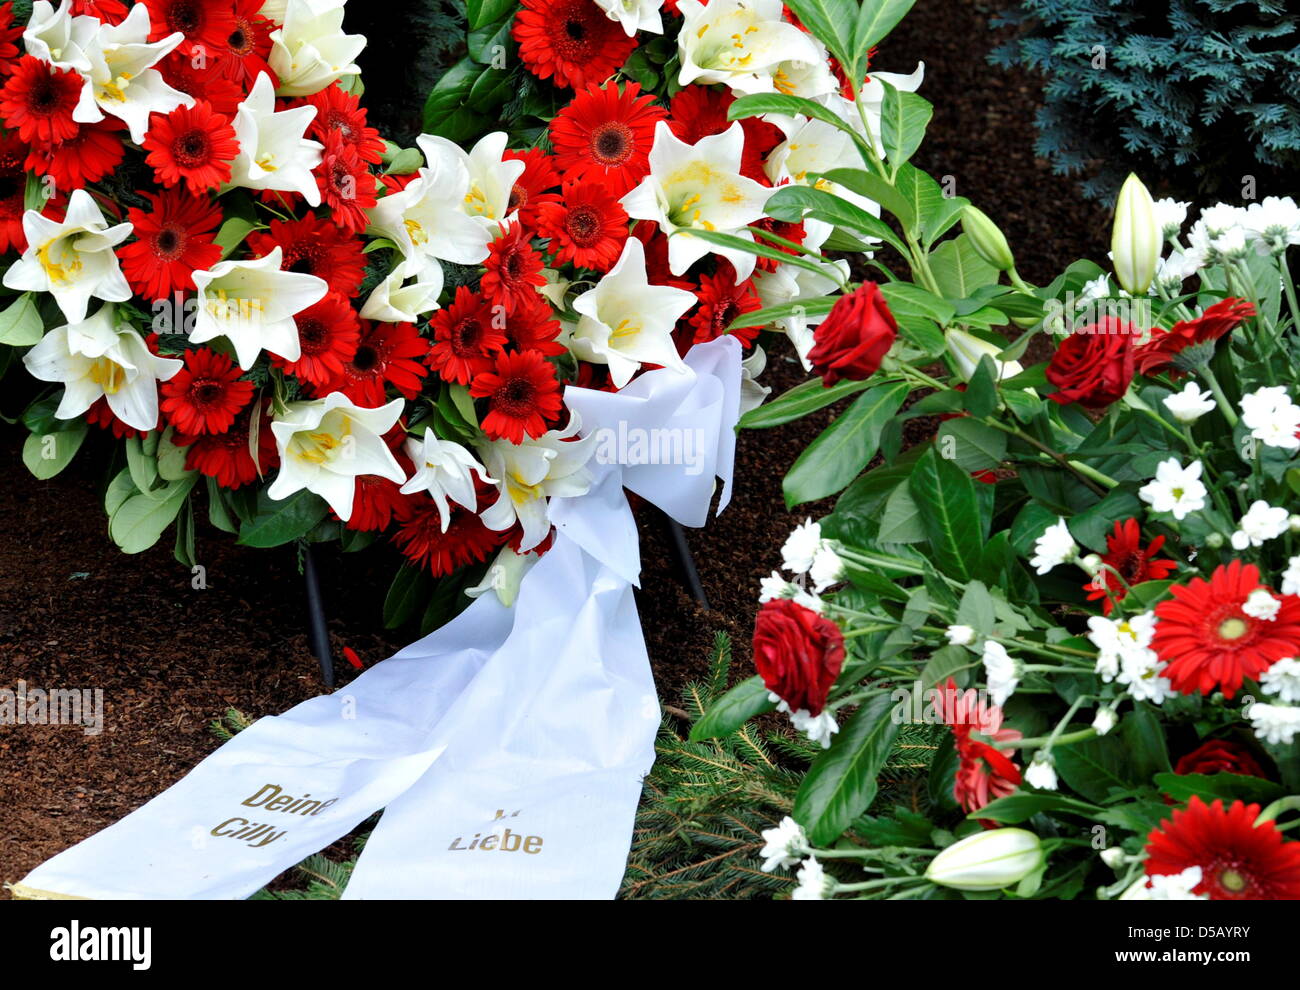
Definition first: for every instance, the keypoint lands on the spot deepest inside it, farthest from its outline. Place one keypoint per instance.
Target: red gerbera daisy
(466, 541)
(466, 335)
(108, 11)
(1207, 640)
(513, 268)
(533, 187)
(522, 394)
(37, 101)
(314, 246)
(588, 228)
(13, 186)
(984, 771)
(206, 395)
(570, 42)
(328, 332)
(101, 415)
(1125, 555)
(243, 54)
(9, 33)
(1239, 859)
(721, 301)
(179, 72)
(531, 326)
(1159, 352)
(345, 183)
(386, 352)
(226, 457)
(793, 232)
(95, 151)
(175, 238)
(698, 111)
(604, 136)
(191, 143)
(204, 23)
(339, 112)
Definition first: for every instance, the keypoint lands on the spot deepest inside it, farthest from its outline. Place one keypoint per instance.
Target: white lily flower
(121, 81)
(491, 177)
(752, 392)
(445, 470)
(504, 576)
(326, 444)
(392, 302)
(529, 474)
(310, 51)
(72, 259)
(275, 10)
(739, 43)
(625, 322)
(102, 358)
(966, 350)
(813, 146)
(273, 153)
(634, 15)
(802, 77)
(787, 283)
(252, 303)
(699, 187)
(60, 38)
(871, 99)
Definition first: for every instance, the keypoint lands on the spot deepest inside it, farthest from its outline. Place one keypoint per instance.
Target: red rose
(1094, 365)
(1159, 352)
(855, 336)
(1220, 756)
(797, 653)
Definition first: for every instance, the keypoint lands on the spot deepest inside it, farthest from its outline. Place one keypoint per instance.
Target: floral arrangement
(211, 256)
(1086, 584)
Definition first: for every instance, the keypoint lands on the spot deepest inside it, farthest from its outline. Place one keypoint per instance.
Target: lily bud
(988, 241)
(988, 860)
(966, 349)
(1136, 237)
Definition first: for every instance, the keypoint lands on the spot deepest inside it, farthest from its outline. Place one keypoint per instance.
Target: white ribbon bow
(507, 747)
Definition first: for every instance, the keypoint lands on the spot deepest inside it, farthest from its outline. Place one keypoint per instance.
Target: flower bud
(966, 349)
(988, 860)
(1136, 237)
(987, 240)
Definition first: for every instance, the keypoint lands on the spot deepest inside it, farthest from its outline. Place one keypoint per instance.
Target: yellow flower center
(108, 375)
(1233, 628)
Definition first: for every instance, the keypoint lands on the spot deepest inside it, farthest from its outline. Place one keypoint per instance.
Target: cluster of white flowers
(1176, 886)
(1230, 232)
(1278, 723)
(1262, 522)
(806, 552)
(786, 847)
(1124, 655)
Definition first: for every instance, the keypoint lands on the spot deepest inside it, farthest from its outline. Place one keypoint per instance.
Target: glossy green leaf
(798, 402)
(732, 710)
(950, 512)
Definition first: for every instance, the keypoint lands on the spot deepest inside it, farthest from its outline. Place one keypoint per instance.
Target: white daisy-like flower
(1274, 224)
(1175, 489)
(814, 884)
(1041, 773)
(784, 846)
(818, 728)
(1283, 680)
(1291, 577)
(960, 635)
(1170, 215)
(1262, 522)
(1260, 604)
(1190, 404)
(775, 586)
(1275, 724)
(1272, 417)
(1056, 546)
(1141, 673)
(808, 600)
(801, 547)
(1116, 637)
(827, 568)
(1104, 720)
(1001, 672)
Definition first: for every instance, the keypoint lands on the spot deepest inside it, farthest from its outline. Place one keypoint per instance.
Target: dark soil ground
(76, 612)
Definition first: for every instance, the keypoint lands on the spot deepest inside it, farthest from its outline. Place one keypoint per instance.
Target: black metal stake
(681, 551)
(317, 633)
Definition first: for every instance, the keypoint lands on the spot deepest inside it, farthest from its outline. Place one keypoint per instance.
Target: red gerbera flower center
(366, 358)
(583, 225)
(191, 148)
(467, 337)
(205, 392)
(313, 334)
(571, 40)
(241, 39)
(611, 143)
(169, 243)
(183, 16)
(1233, 627)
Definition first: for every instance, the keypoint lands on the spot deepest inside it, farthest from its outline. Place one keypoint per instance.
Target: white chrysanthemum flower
(784, 846)
(1115, 637)
(1056, 546)
(1040, 773)
(1176, 886)
(1275, 724)
(1274, 224)
(1170, 215)
(1283, 680)
(1001, 672)
(960, 635)
(808, 600)
(1175, 489)
(1272, 417)
(818, 728)
(1140, 671)
(1190, 404)
(1262, 522)
(1174, 270)
(1260, 604)
(1291, 577)
(814, 884)
(827, 568)
(775, 586)
(1104, 720)
(801, 547)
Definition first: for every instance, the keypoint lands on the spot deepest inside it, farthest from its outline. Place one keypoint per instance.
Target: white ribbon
(507, 747)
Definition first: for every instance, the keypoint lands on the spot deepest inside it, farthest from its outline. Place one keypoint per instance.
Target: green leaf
(481, 12)
(874, 188)
(950, 512)
(444, 110)
(1023, 805)
(139, 521)
(936, 212)
(1091, 526)
(904, 118)
(793, 202)
(143, 467)
(218, 513)
(841, 783)
(798, 402)
(171, 458)
(279, 522)
(232, 234)
(901, 521)
(20, 323)
(945, 662)
(876, 18)
(808, 306)
(1144, 735)
(976, 609)
(1227, 786)
(831, 22)
(959, 270)
(762, 250)
(1095, 767)
(408, 593)
(732, 710)
(844, 448)
(119, 490)
(48, 454)
(183, 551)
(972, 445)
